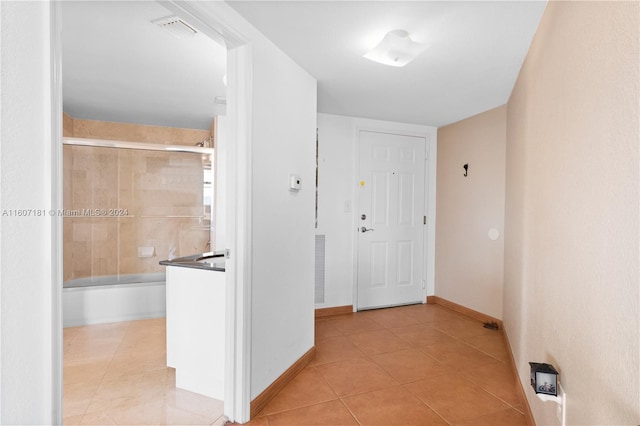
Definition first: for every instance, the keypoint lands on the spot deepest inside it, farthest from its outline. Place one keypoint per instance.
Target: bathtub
(114, 298)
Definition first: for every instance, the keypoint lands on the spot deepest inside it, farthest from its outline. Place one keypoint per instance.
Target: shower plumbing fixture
(207, 143)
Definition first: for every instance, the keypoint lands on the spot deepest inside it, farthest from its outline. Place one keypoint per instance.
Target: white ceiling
(118, 66)
(476, 49)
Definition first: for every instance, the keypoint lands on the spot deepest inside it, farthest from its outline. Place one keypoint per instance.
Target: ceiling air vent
(176, 26)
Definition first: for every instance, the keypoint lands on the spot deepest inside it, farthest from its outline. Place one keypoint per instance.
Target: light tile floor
(116, 374)
(411, 365)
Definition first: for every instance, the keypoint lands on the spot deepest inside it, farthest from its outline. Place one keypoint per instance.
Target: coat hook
(466, 169)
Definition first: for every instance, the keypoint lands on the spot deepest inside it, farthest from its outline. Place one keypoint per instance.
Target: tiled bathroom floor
(116, 374)
(411, 365)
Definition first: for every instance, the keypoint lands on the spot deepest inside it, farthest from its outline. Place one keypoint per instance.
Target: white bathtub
(113, 298)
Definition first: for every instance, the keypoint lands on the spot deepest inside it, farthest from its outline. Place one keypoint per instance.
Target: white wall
(280, 236)
(469, 265)
(26, 281)
(336, 174)
(337, 140)
(571, 293)
(284, 123)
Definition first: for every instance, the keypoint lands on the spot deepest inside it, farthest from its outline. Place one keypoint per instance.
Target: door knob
(364, 229)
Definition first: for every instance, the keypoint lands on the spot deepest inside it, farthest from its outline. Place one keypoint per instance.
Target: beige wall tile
(67, 125)
(146, 183)
(94, 129)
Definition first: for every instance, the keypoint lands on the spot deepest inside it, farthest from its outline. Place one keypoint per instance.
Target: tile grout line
(306, 405)
(427, 405)
(102, 379)
(491, 393)
(99, 383)
(340, 398)
(507, 362)
(344, 404)
(470, 345)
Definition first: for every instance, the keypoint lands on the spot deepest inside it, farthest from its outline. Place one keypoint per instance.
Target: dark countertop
(212, 261)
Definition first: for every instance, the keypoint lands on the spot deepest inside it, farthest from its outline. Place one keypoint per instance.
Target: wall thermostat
(294, 183)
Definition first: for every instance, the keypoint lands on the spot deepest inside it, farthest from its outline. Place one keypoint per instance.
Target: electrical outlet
(561, 409)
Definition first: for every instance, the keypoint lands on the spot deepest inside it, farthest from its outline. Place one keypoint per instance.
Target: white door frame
(57, 236)
(430, 198)
(238, 210)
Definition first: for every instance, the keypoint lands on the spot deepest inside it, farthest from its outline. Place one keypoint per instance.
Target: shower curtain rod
(103, 143)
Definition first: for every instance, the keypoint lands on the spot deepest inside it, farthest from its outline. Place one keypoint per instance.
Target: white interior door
(391, 200)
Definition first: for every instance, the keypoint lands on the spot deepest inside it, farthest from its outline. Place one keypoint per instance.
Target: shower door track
(104, 143)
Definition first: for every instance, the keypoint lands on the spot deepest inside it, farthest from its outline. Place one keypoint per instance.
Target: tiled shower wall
(93, 129)
(157, 201)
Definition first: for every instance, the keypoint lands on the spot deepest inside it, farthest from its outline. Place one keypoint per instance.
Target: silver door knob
(364, 229)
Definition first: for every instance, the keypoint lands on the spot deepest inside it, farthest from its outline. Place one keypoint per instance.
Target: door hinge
(424, 220)
(424, 284)
(227, 254)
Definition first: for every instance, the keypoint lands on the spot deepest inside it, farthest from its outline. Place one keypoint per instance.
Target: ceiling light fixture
(395, 49)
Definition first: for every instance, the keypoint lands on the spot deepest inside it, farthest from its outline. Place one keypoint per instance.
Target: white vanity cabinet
(196, 328)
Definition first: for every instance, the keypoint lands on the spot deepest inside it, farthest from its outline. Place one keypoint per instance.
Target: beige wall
(571, 252)
(469, 265)
(161, 192)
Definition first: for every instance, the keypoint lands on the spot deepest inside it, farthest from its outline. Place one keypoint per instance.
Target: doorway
(391, 220)
(239, 60)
